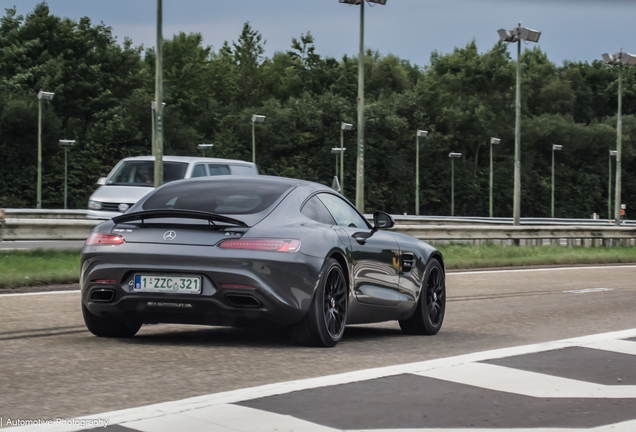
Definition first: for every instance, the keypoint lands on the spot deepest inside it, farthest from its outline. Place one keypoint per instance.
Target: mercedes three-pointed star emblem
(170, 235)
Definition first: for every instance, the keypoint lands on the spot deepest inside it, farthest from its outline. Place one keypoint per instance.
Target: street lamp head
(454, 155)
(556, 147)
(346, 126)
(628, 59)
(494, 141)
(45, 95)
(258, 118)
(67, 143)
(153, 105)
(338, 150)
(519, 33)
(613, 153)
(357, 2)
(206, 146)
(422, 133)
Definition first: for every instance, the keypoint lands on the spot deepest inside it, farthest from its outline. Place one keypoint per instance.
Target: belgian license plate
(168, 284)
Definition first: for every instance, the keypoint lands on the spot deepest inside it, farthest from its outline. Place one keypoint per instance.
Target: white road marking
(588, 290)
(459, 273)
(617, 346)
(508, 380)
(39, 293)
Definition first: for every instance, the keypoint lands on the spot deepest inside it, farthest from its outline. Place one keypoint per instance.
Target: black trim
(186, 214)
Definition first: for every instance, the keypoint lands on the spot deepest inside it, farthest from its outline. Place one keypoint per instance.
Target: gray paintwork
(379, 289)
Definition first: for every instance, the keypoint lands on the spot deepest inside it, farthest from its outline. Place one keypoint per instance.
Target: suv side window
(199, 171)
(218, 169)
(316, 210)
(342, 211)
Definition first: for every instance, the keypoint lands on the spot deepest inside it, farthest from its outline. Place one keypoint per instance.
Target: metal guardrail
(42, 225)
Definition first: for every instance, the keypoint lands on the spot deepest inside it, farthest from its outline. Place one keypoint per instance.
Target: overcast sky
(411, 29)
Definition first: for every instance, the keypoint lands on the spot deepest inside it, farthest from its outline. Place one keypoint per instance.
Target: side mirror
(382, 220)
(101, 181)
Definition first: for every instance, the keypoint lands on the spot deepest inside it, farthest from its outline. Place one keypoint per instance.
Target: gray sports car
(237, 251)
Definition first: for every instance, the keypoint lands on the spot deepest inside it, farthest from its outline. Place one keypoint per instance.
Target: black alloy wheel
(429, 313)
(325, 322)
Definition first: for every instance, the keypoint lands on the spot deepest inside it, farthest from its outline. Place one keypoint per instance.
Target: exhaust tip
(242, 301)
(102, 295)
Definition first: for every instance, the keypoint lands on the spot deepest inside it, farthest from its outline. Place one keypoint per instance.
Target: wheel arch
(339, 256)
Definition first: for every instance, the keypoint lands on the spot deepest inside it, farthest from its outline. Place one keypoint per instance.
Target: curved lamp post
(493, 141)
(555, 147)
(42, 95)
(423, 134)
(517, 35)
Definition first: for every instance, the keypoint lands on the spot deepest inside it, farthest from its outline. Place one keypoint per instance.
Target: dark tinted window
(316, 210)
(222, 197)
(218, 169)
(199, 171)
(342, 212)
(142, 173)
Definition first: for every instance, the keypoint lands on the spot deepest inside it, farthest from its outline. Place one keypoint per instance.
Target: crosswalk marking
(509, 380)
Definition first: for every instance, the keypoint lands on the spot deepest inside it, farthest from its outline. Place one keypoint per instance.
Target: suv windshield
(142, 173)
(220, 197)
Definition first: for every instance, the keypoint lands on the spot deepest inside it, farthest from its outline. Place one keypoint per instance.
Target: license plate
(168, 284)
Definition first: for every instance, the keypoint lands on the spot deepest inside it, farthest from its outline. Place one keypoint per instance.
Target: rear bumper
(238, 287)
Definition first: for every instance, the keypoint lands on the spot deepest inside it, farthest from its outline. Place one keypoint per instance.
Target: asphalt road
(51, 366)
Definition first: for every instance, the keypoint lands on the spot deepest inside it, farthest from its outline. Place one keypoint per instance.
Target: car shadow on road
(271, 337)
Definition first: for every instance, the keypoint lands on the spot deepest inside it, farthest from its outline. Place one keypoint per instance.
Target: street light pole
(452, 157)
(360, 161)
(420, 133)
(66, 144)
(619, 59)
(609, 185)
(158, 144)
(493, 141)
(204, 147)
(554, 147)
(343, 127)
(517, 35)
(42, 95)
(255, 119)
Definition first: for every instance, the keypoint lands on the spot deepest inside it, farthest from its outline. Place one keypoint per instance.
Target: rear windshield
(221, 197)
(142, 173)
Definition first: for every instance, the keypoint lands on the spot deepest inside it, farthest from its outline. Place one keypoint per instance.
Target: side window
(243, 170)
(199, 171)
(342, 212)
(216, 170)
(316, 210)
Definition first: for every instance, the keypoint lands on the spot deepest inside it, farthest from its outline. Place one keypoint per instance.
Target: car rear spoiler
(185, 214)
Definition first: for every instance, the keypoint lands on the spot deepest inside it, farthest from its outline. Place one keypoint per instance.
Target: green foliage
(38, 267)
(103, 91)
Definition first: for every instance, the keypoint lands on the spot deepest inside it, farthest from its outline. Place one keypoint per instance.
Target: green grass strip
(463, 256)
(38, 267)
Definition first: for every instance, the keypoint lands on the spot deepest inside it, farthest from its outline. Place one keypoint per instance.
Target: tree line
(103, 92)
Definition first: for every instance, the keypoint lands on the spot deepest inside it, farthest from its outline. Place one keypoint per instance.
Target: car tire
(104, 326)
(324, 323)
(431, 306)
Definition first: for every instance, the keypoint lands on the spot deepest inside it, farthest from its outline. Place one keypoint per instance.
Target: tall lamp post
(338, 151)
(452, 157)
(42, 95)
(360, 162)
(66, 145)
(555, 147)
(204, 147)
(423, 134)
(517, 35)
(343, 127)
(153, 106)
(159, 105)
(255, 119)
(493, 141)
(620, 58)
(609, 185)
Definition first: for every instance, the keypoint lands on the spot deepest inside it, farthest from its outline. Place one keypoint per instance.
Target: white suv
(132, 178)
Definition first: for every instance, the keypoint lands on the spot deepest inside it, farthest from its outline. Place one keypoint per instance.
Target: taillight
(271, 245)
(104, 239)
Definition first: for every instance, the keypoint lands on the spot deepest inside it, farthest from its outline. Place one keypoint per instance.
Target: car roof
(190, 159)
